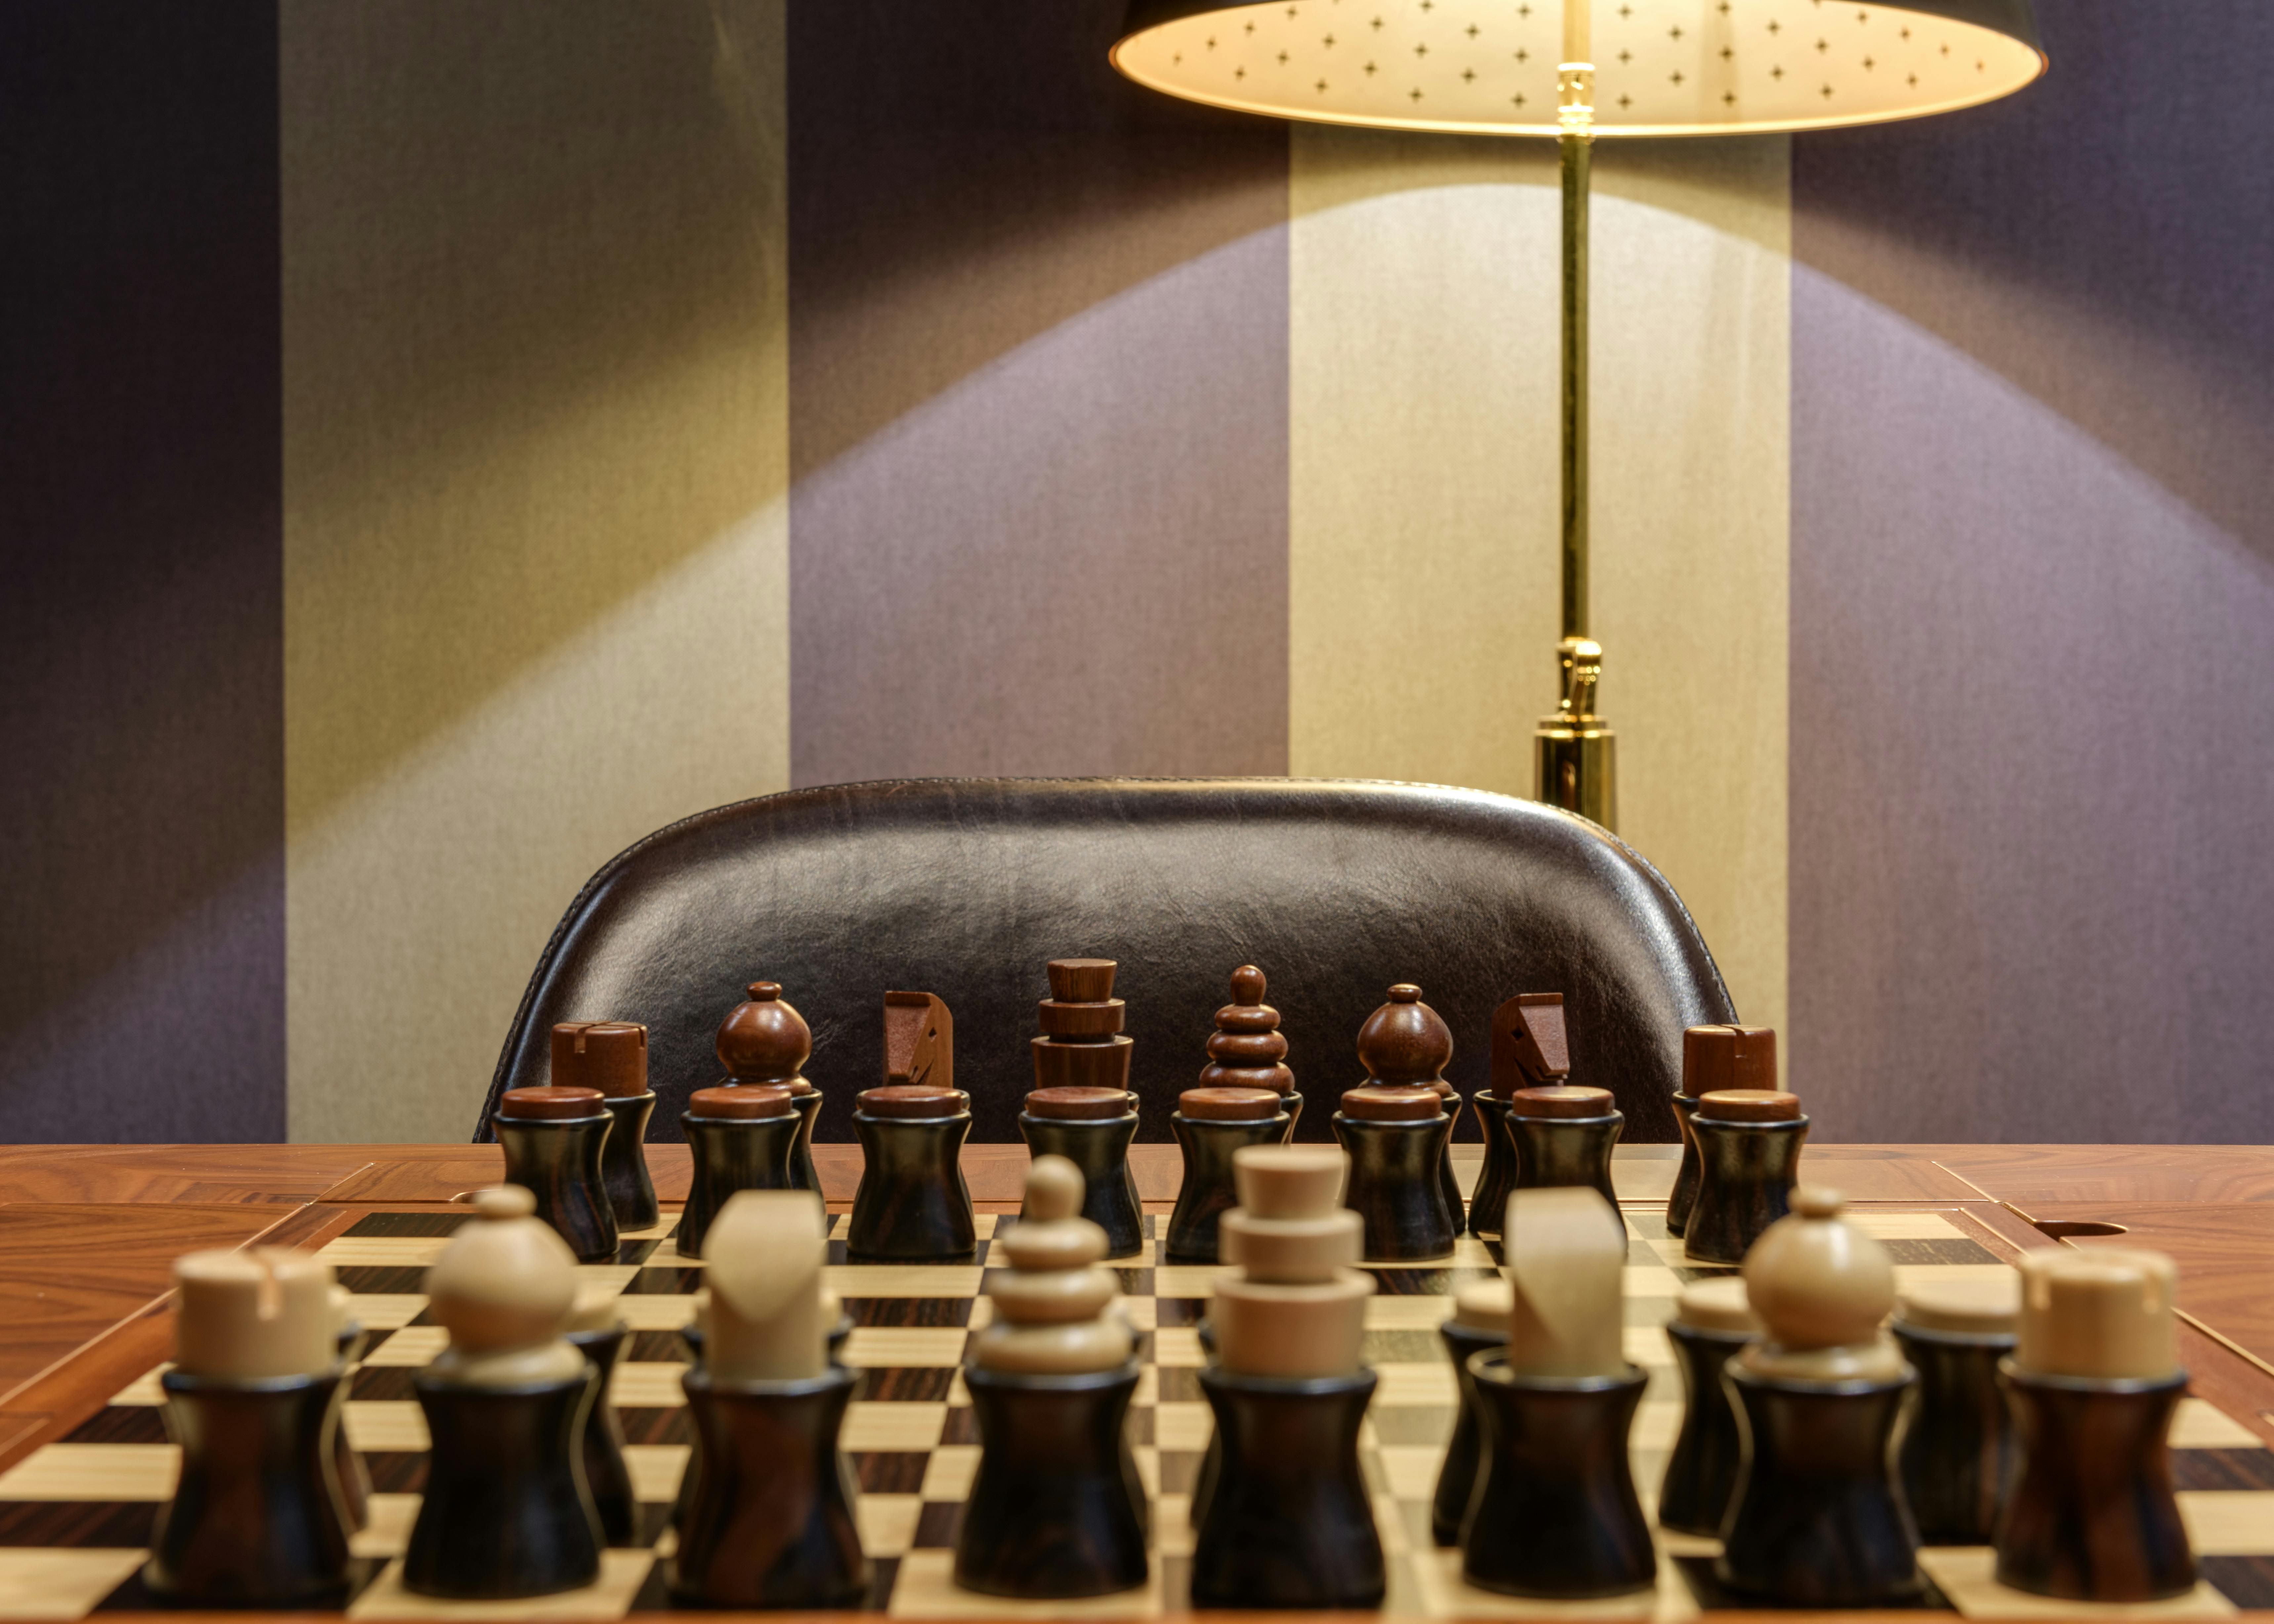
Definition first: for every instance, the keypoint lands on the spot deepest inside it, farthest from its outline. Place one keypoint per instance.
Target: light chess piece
(739, 1137)
(1528, 1051)
(764, 1043)
(506, 1512)
(1749, 1142)
(1958, 1452)
(1248, 1049)
(554, 1140)
(1818, 1519)
(1713, 1321)
(2093, 1382)
(1406, 1044)
(257, 1518)
(1057, 1509)
(1555, 1514)
(610, 1056)
(768, 1521)
(1081, 1107)
(1289, 1389)
(1713, 1058)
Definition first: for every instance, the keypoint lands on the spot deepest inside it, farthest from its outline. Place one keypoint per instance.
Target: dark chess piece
(1248, 1049)
(1056, 1510)
(1564, 1136)
(1528, 1051)
(739, 1137)
(1749, 1142)
(1818, 1519)
(507, 1512)
(919, 1042)
(1210, 1123)
(354, 1476)
(1395, 1140)
(1713, 1058)
(1478, 1325)
(596, 1329)
(1406, 1044)
(2093, 1382)
(912, 1205)
(1958, 1453)
(257, 1517)
(1092, 1128)
(1711, 1326)
(554, 1138)
(610, 1056)
(764, 1043)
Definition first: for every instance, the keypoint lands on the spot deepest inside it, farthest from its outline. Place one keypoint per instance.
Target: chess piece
(1286, 1521)
(610, 1056)
(1528, 1051)
(919, 1042)
(1713, 1321)
(2093, 1383)
(740, 1138)
(1057, 1509)
(1479, 1324)
(1248, 1049)
(1564, 1136)
(507, 1512)
(1748, 1143)
(1406, 1044)
(1396, 1139)
(554, 1138)
(764, 1043)
(257, 1519)
(596, 1329)
(1713, 1058)
(354, 1476)
(1818, 1518)
(769, 1520)
(1958, 1449)
(1210, 1123)
(1092, 1128)
(912, 1205)
(1555, 1514)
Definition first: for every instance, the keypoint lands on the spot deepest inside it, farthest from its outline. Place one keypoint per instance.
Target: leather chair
(965, 887)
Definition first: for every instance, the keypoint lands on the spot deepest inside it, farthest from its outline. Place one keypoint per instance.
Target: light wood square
(643, 1384)
(926, 1589)
(887, 1523)
(1446, 1594)
(385, 1423)
(905, 1347)
(60, 1585)
(948, 1473)
(621, 1574)
(94, 1471)
(891, 1428)
(1966, 1574)
(1182, 1426)
(1405, 1385)
(414, 1345)
(655, 1470)
(2229, 1522)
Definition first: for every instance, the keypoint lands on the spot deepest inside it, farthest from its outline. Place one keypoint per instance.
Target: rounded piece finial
(764, 992)
(1054, 1189)
(1405, 1041)
(503, 1201)
(1247, 985)
(1818, 1201)
(1406, 992)
(765, 1040)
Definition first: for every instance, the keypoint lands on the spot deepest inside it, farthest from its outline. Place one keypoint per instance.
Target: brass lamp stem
(1573, 760)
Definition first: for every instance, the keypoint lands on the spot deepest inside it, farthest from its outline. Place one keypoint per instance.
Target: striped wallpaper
(475, 433)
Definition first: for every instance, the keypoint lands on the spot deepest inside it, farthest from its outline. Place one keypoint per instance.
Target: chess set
(1324, 1380)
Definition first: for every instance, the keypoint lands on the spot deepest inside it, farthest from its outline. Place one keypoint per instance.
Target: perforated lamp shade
(1663, 67)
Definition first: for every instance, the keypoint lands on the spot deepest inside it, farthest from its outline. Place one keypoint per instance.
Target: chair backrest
(966, 887)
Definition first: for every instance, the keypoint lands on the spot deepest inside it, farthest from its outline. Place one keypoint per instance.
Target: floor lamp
(1575, 70)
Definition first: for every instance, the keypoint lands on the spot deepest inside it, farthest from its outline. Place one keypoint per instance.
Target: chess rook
(740, 1137)
(1749, 1142)
(596, 1329)
(554, 1138)
(1406, 1044)
(2093, 1381)
(1210, 1124)
(610, 1056)
(912, 1205)
(1563, 1136)
(1248, 1049)
(1479, 1324)
(1818, 1519)
(1713, 1058)
(764, 1043)
(1958, 1452)
(1713, 1321)
(1396, 1139)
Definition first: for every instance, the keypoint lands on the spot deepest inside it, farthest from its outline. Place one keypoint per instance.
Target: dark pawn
(1248, 1049)
(507, 1512)
(1564, 1136)
(1395, 1138)
(1711, 1325)
(347, 1466)
(1406, 1044)
(606, 1475)
(912, 1205)
(1958, 1454)
(610, 1056)
(1713, 1058)
(1289, 1524)
(2092, 1516)
(257, 1518)
(1210, 1125)
(554, 1138)
(1818, 1519)
(739, 1137)
(1092, 1128)
(1556, 1514)
(1464, 1464)
(1055, 1511)
(1496, 1179)
(769, 1522)
(765, 1043)
(1749, 1145)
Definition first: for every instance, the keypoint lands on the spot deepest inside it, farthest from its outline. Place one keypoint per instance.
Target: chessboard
(76, 1515)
